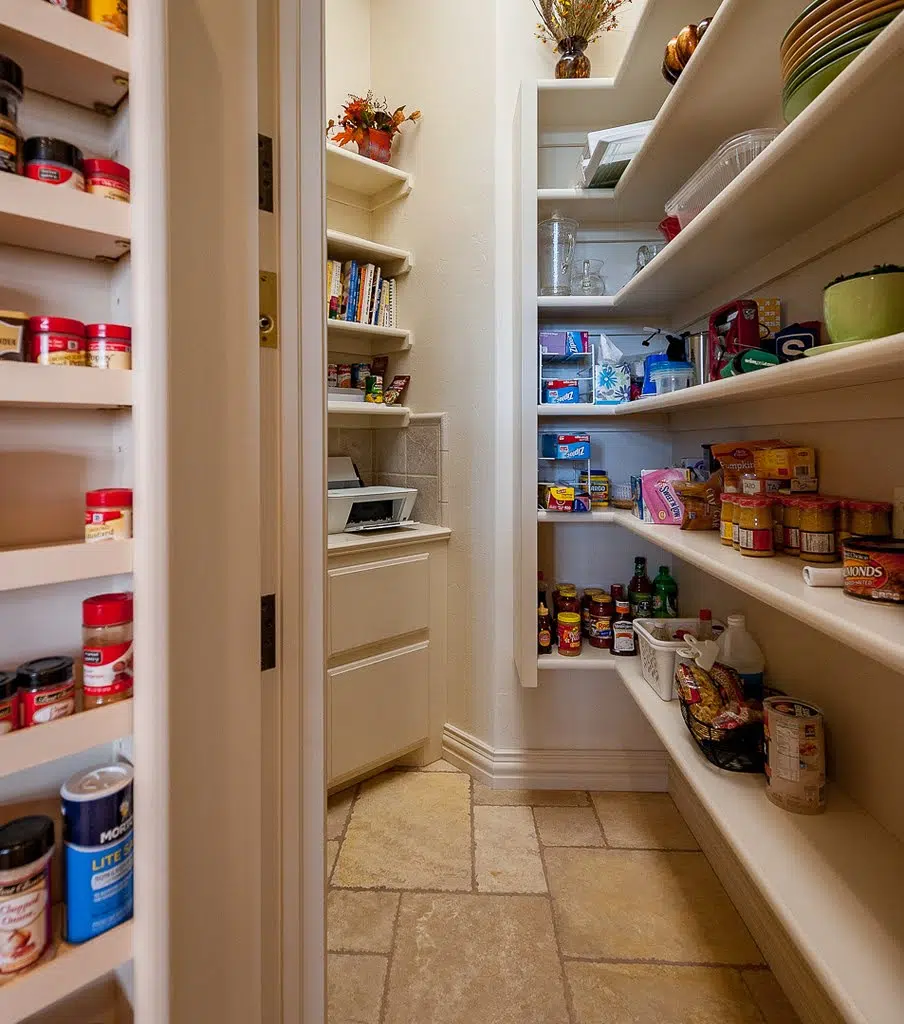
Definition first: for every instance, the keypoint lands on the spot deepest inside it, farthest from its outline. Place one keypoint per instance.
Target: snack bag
(661, 500)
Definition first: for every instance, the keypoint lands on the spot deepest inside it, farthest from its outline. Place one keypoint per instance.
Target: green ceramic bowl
(865, 307)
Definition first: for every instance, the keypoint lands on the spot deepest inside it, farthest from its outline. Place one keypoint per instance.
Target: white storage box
(608, 153)
(657, 657)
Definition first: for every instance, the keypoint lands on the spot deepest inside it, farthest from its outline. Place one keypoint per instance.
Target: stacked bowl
(827, 37)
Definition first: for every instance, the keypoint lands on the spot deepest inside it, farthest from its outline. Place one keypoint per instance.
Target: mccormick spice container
(109, 346)
(98, 850)
(9, 704)
(108, 514)
(107, 649)
(55, 162)
(795, 755)
(26, 906)
(108, 179)
(11, 88)
(46, 691)
(56, 341)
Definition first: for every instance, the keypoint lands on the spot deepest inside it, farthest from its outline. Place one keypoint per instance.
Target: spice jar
(108, 179)
(11, 89)
(778, 524)
(26, 906)
(113, 14)
(870, 518)
(9, 705)
(791, 520)
(569, 630)
(46, 691)
(108, 514)
(107, 649)
(727, 530)
(736, 522)
(590, 594)
(56, 341)
(817, 530)
(600, 626)
(109, 346)
(755, 527)
(55, 162)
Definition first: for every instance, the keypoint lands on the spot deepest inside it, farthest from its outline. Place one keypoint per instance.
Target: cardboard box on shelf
(563, 344)
(770, 314)
(784, 463)
(565, 446)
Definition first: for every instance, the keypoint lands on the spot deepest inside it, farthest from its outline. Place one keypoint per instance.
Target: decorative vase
(573, 63)
(377, 145)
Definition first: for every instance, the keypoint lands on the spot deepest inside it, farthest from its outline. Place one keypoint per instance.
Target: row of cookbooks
(359, 293)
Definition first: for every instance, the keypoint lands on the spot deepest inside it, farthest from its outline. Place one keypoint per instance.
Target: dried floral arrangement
(362, 114)
(582, 19)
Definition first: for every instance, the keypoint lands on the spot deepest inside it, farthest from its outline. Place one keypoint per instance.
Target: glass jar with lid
(870, 518)
(817, 529)
(755, 526)
(107, 649)
(727, 520)
(791, 524)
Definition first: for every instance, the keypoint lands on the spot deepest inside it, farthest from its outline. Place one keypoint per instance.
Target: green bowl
(865, 307)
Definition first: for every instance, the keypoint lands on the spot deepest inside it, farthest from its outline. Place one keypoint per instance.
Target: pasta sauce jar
(9, 704)
(109, 346)
(26, 926)
(108, 179)
(46, 691)
(107, 649)
(56, 341)
(108, 514)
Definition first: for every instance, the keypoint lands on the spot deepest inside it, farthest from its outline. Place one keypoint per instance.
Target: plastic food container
(657, 657)
(670, 377)
(717, 173)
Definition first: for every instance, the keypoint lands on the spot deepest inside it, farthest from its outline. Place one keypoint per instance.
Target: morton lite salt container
(98, 850)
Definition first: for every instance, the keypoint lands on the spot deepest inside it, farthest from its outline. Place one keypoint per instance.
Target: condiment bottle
(705, 625)
(623, 643)
(544, 630)
(665, 595)
(591, 594)
(107, 649)
(817, 530)
(640, 591)
(600, 622)
(727, 518)
(791, 517)
(756, 537)
(570, 641)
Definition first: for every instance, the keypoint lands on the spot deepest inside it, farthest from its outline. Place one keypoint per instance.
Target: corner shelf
(64, 55)
(25, 567)
(369, 415)
(366, 339)
(29, 385)
(591, 659)
(378, 184)
(392, 261)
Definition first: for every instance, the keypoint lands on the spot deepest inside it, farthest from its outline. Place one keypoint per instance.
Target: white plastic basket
(657, 657)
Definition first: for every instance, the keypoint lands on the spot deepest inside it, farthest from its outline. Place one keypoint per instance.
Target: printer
(354, 508)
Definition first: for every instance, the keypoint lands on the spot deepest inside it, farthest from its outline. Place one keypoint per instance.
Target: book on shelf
(334, 289)
(359, 294)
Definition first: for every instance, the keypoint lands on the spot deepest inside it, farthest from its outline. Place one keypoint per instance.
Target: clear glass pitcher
(557, 237)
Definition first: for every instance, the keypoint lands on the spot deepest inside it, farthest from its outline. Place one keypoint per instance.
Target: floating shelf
(27, 748)
(377, 415)
(366, 339)
(576, 518)
(62, 563)
(392, 261)
(375, 183)
(64, 55)
(64, 387)
(591, 659)
(72, 968)
(833, 880)
(35, 215)
(574, 307)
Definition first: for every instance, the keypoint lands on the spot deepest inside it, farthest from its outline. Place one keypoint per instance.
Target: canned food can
(360, 373)
(344, 375)
(795, 755)
(332, 375)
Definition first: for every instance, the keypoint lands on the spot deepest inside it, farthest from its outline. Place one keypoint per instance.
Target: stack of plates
(823, 41)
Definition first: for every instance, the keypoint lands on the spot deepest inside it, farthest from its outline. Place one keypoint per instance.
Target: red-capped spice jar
(46, 691)
(9, 704)
(108, 514)
(55, 162)
(109, 346)
(107, 649)
(56, 341)
(108, 179)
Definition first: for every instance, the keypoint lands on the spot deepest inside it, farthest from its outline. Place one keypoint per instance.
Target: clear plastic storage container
(717, 173)
(669, 377)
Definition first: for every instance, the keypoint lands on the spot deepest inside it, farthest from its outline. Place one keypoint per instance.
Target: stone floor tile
(769, 997)
(642, 821)
(355, 988)
(568, 826)
(409, 830)
(338, 808)
(645, 905)
(440, 766)
(528, 797)
(332, 850)
(507, 854)
(360, 922)
(475, 959)
(653, 994)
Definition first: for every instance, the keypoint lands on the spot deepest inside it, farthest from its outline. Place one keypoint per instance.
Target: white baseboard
(789, 967)
(614, 770)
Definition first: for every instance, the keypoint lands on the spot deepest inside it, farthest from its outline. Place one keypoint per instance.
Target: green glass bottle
(665, 595)
(640, 591)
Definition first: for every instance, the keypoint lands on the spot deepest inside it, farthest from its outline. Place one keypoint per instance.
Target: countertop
(345, 543)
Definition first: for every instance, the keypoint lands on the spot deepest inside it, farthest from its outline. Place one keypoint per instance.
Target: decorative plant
(362, 114)
(586, 20)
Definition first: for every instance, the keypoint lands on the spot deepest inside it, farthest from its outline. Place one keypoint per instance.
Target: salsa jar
(590, 594)
(9, 704)
(791, 527)
(109, 346)
(817, 530)
(568, 625)
(755, 527)
(108, 514)
(107, 649)
(870, 518)
(26, 904)
(108, 179)
(46, 691)
(55, 162)
(727, 519)
(56, 341)
(600, 622)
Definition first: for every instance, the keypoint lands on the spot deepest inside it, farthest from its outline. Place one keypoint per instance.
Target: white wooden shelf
(833, 880)
(35, 215)
(370, 414)
(576, 518)
(393, 261)
(591, 659)
(64, 55)
(72, 968)
(63, 387)
(374, 183)
(62, 563)
(366, 339)
(574, 307)
(27, 748)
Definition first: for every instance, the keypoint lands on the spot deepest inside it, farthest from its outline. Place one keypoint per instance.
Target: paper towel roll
(814, 577)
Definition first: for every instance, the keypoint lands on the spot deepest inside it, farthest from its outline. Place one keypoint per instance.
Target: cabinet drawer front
(377, 601)
(378, 707)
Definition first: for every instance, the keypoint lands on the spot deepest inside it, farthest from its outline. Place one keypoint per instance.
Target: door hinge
(268, 632)
(269, 309)
(265, 173)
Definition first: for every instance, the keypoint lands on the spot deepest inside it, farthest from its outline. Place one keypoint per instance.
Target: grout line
(358, 952)
(473, 836)
(341, 838)
(653, 962)
(599, 821)
(384, 1001)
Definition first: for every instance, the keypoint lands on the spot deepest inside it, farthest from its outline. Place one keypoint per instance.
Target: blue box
(562, 393)
(563, 344)
(565, 446)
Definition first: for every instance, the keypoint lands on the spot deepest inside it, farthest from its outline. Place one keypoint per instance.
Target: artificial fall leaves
(363, 113)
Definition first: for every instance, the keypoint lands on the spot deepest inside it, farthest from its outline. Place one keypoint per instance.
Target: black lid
(25, 840)
(41, 148)
(8, 685)
(44, 672)
(11, 73)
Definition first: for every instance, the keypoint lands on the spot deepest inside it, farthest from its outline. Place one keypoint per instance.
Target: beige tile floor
(450, 903)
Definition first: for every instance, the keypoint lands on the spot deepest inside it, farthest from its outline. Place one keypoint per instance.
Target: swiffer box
(565, 446)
